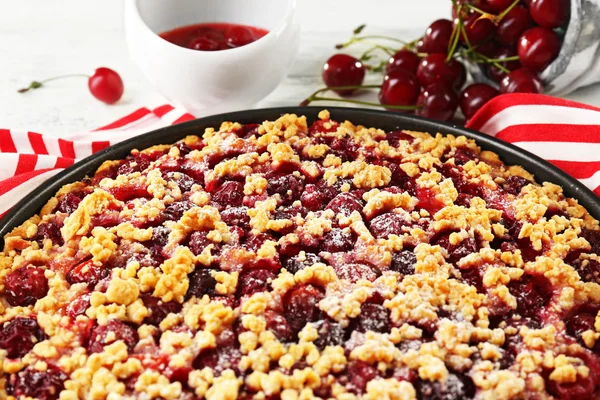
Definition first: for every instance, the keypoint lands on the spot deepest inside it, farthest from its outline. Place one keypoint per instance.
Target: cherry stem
(367, 54)
(315, 97)
(455, 32)
(362, 103)
(472, 7)
(497, 60)
(363, 38)
(39, 84)
(503, 13)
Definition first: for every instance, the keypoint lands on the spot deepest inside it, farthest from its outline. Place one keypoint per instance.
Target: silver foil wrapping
(578, 63)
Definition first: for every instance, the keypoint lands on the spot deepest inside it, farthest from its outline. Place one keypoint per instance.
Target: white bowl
(208, 82)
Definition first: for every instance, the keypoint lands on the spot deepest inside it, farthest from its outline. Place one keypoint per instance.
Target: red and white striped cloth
(563, 132)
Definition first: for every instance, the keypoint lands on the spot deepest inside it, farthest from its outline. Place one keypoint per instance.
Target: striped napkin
(563, 132)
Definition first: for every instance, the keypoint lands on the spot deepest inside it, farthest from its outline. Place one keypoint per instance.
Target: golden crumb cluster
(288, 260)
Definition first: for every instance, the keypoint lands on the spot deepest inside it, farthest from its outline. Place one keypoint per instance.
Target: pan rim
(542, 170)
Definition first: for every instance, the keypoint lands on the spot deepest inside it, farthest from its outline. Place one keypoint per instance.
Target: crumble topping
(295, 261)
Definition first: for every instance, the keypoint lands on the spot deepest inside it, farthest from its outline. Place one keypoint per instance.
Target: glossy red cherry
(434, 69)
(437, 101)
(473, 97)
(106, 85)
(496, 6)
(496, 73)
(537, 48)
(477, 30)
(513, 25)
(343, 70)
(399, 88)
(549, 13)
(403, 59)
(521, 81)
(437, 37)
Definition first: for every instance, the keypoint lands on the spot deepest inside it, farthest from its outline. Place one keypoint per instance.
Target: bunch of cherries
(513, 41)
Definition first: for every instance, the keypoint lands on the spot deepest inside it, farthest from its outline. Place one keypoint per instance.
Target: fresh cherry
(399, 88)
(549, 13)
(106, 85)
(438, 101)
(435, 69)
(521, 81)
(405, 60)
(502, 53)
(473, 97)
(476, 30)
(437, 37)
(496, 6)
(514, 23)
(537, 48)
(343, 70)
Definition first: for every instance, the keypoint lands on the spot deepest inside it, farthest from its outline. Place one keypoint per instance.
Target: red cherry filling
(456, 251)
(330, 334)
(359, 374)
(254, 281)
(338, 240)
(533, 294)
(316, 196)
(297, 262)
(69, 203)
(289, 187)
(387, 224)
(87, 272)
(78, 306)
(19, 335)
(301, 305)
(158, 309)
(236, 216)
(201, 283)
(41, 385)
(514, 184)
(114, 330)
(199, 241)
(404, 262)
(372, 317)
(220, 359)
(230, 193)
(277, 324)
(455, 387)
(184, 181)
(355, 272)
(25, 285)
(49, 230)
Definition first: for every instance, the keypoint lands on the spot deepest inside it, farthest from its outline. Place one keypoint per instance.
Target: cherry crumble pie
(287, 261)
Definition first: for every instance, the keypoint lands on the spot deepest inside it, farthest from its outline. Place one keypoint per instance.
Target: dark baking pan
(385, 120)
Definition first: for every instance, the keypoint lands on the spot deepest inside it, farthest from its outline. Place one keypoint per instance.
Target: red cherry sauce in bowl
(213, 36)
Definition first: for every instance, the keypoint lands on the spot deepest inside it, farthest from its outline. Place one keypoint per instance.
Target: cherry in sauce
(213, 36)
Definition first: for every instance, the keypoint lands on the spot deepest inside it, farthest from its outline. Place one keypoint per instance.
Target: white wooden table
(40, 39)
